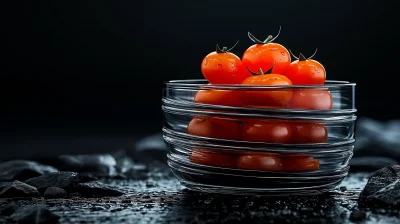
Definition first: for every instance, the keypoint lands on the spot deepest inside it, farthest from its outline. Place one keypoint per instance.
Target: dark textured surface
(55, 192)
(64, 180)
(161, 199)
(19, 189)
(22, 170)
(383, 187)
(97, 189)
(36, 214)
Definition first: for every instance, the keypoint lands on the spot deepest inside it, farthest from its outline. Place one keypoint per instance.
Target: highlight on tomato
(265, 54)
(218, 97)
(214, 158)
(308, 132)
(266, 132)
(266, 98)
(214, 128)
(299, 163)
(306, 71)
(259, 162)
(223, 67)
(311, 99)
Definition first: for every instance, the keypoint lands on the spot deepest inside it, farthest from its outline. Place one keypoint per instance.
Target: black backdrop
(97, 66)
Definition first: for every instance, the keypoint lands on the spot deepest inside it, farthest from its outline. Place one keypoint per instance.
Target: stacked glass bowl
(258, 147)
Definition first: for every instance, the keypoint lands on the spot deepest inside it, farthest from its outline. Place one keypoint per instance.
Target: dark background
(96, 68)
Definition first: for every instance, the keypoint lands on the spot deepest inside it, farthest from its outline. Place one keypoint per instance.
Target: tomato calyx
(225, 49)
(269, 39)
(261, 72)
(301, 56)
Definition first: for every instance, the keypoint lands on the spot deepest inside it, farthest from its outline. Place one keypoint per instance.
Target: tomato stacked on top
(265, 63)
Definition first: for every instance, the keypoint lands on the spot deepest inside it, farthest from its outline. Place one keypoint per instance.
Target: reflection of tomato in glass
(311, 99)
(214, 128)
(303, 133)
(223, 67)
(266, 98)
(213, 158)
(218, 97)
(259, 162)
(266, 132)
(299, 163)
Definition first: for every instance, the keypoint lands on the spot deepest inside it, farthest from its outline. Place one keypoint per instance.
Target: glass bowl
(271, 140)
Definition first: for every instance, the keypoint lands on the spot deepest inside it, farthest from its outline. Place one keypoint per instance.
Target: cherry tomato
(311, 100)
(213, 159)
(305, 71)
(264, 54)
(223, 67)
(264, 132)
(218, 97)
(299, 163)
(259, 162)
(266, 98)
(303, 133)
(214, 128)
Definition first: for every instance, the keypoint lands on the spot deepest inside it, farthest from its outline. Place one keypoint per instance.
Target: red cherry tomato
(267, 98)
(264, 132)
(306, 72)
(304, 133)
(311, 100)
(265, 54)
(259, 162)
(299, 163)
(214, 128)
(213, 159)
(223, 67)
(218, 97)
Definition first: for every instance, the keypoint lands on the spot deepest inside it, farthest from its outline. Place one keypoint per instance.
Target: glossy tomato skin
(267, 98)
(265, 56)
(218, 97)
(306, 133)
(259, 162)
(205, 157)
(266, 132)
(299, 163)
(307, 72)
(311, 100)
(214, 128)
(223, 68)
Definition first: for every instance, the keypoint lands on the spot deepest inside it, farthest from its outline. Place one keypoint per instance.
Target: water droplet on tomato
(274, 49)
(315, 69)
(283, 53)
(205, 62)
(259, 57)
(219, 65)
(232, 65)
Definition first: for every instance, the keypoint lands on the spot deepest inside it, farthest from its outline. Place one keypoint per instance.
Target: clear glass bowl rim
(203, 84)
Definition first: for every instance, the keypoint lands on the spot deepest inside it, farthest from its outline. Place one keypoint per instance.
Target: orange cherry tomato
(259, 162)
(266, 98)
(264, 132)
(213, 159)
(291, 164)
(218, 97)
(214, 128)
(264, 54)
(223, 67)
(311, 100)
(305, 71)
(303, 133)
